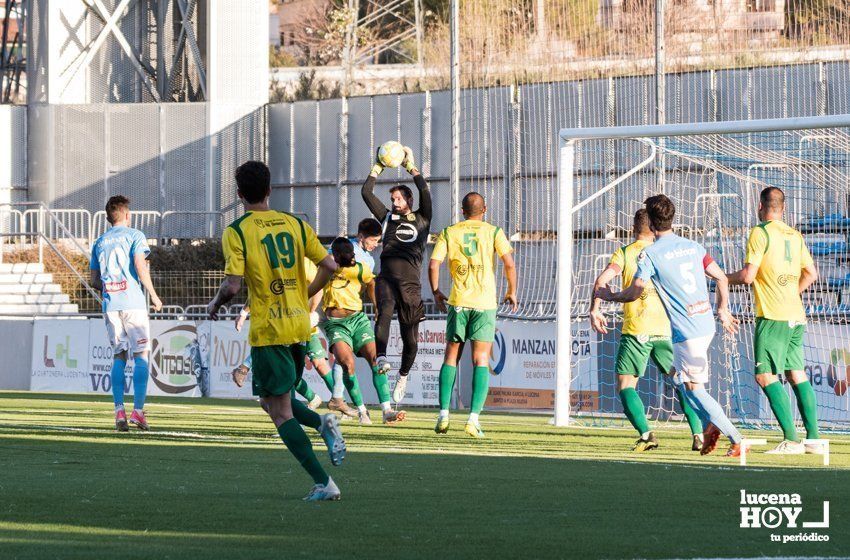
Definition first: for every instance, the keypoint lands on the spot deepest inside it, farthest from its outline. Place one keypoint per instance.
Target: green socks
(353, 386)
(328, 378)
(480, 386)
(808, 407)
(693, 418)
(382, 385)
(303, 389)
(304, 415)
(633, 407)
(448, 374)
(299, 445)
(781, 406)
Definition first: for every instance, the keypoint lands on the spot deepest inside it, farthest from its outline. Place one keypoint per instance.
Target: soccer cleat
(400, 389)
(315, 402)
(383, 364)
(697, 444)
(735, 450)
(442, 426)
(710, 436)
(239, 374)
(788, 447)
(365, 419)
(323, 492)
(333, 438)
(394, 416)
(648, 444)
(337, 404)
(138, 419)
(814, 449)
(474, 429)
(121, 421)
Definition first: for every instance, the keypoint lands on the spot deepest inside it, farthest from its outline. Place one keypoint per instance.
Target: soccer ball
(391, 154)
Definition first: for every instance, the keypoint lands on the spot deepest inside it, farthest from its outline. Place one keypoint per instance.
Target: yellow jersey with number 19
(644, 316)
(268, 248)
(471, 247)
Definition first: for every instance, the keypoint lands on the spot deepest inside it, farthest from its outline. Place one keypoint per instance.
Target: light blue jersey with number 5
(113, 254)
(677, 268)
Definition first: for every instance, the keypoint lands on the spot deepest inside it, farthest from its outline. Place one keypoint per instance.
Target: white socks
(473, 418)
(386, 406)
(444, 413)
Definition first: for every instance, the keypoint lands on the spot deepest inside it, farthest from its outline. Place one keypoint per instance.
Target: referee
(398, 287)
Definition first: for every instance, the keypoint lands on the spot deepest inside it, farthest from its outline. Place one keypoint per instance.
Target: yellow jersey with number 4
(644, 316)
(471, 247)
(345, 288)
(268, 249)
(781, 254)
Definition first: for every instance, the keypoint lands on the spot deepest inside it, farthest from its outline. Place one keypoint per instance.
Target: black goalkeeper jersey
(405, 235)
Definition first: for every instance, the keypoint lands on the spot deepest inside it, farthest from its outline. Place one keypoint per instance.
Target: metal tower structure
(12, 52)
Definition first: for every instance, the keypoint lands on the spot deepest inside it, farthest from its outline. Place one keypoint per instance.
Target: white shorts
(690, 360)
(128, 330)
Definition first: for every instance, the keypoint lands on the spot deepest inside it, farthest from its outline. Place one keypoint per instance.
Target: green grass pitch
(212, 480)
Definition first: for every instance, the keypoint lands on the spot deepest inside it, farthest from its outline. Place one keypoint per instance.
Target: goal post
(713, 174)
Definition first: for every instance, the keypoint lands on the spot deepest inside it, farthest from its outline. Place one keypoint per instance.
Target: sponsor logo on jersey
(278, 286)
(679, 253)
(406, 233)
(699, 308)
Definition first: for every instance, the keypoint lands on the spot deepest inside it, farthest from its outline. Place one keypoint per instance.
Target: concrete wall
(16, 346)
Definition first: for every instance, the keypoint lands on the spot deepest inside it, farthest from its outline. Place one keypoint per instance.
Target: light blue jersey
(677, 268)
(113, 254)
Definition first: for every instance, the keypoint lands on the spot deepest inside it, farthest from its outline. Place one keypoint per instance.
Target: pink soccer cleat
(121, 421)
(138, 418)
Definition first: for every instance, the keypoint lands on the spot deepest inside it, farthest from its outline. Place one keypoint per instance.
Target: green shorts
(315, 350)
(355, 330)
(778, 346)
(464, 324)
(276, 369)
(635, 351)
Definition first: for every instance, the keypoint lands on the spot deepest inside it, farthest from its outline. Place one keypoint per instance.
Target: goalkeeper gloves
(377, 168)
(408, 162)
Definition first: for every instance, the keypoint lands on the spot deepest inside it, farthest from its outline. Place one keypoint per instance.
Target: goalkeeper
(645, 335)
(398, 286)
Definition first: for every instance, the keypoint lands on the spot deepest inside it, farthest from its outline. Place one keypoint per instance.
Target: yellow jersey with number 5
(781, 254)
(268, 249)
(645, 316)
(471, 247)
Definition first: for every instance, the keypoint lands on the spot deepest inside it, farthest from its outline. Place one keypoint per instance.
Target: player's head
(402, 199)
(253, 182)
(771, 202)
(118, 209)
(473, 206)
(660, 211)
(640, 226)
(369, 233)
(343, 252)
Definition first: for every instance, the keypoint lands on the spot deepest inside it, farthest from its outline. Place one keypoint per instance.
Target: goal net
(713, 172)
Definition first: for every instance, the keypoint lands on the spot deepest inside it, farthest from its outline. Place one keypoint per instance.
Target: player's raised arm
(367, 191)
(421, 184)
(730, 323)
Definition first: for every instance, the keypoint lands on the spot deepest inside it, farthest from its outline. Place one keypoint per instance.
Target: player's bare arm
(370, 293)
(597, 320)
(226, 292)
(326, 269)
(143, 269)
(434, 279)
(96, 281)
(808, 276)
(745, 276)
(244, 313)
(729, 323)
(510, 272)
(632, 293)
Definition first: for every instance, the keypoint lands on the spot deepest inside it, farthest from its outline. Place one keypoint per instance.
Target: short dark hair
(660, 210)
(473, 204)
(343, 252)
(641, 222)
(404, 189)
(773, 199)
(369, 227)
(115, 206)
(253, 181)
